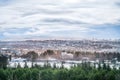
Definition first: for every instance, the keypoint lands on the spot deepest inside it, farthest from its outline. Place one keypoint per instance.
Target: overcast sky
(59, 19)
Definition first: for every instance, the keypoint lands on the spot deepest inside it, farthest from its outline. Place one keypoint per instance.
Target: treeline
(47, 72)
(77, 55)
(97, 55)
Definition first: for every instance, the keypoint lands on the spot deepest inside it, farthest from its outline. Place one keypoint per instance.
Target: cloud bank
(51, 19)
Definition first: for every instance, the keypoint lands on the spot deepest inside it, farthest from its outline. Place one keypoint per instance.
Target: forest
(81, 71)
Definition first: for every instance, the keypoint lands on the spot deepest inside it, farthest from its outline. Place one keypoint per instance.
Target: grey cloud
(49, 12)
(63, 21)
(2, 23)
(118, 4)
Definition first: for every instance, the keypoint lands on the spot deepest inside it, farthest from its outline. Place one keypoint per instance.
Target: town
(67, 51)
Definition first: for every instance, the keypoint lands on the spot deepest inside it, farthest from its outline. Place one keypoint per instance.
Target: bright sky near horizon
(59, 19)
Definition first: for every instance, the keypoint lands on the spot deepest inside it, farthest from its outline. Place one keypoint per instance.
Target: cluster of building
(62, 47)
(76, 45)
